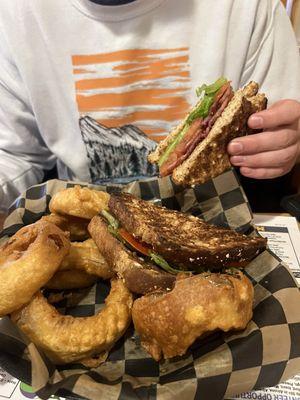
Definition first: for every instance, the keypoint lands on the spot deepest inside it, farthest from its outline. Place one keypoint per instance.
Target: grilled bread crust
(140, 277)
(183, 240)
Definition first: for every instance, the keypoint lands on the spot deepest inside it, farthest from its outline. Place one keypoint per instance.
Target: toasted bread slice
(209, 159)
(140, 277)
(183, 240)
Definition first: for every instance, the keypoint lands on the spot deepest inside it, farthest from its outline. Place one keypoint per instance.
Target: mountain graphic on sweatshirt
(118, 153)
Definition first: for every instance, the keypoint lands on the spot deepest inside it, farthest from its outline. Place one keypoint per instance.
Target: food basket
(219, 366)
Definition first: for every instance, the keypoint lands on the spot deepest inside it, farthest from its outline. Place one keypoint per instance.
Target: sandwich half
(145, 243)
(196, 150)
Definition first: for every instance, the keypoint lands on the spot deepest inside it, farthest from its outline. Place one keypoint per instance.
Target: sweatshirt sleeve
(23, 153)
(273, 57)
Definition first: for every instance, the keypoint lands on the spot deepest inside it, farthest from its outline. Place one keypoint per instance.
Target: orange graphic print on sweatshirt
(146, 88)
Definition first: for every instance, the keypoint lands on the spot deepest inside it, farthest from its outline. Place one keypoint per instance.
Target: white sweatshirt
(92, 87)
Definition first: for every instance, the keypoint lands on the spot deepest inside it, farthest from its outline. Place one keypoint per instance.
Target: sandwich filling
(146, 251)
(198, 124)
(134, 245)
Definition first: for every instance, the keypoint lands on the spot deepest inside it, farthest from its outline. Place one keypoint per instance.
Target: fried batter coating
(79, 202)
(27, 261)
(70, 279)
(66, 339)
(77, 227)
(169, 322)
(85, 256)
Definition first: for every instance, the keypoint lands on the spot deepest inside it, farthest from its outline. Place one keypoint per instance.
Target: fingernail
(256, 122)
(236, 147)
(237, 160)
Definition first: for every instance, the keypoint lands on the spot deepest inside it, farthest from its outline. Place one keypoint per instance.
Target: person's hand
(274, 151)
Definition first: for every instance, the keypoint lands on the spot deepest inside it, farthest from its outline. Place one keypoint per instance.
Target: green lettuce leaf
(201, 111)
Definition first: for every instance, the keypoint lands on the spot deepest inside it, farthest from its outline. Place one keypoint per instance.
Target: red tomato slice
(141, 248)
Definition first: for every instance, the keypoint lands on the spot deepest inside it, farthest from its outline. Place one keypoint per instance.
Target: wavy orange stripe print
(144, 87)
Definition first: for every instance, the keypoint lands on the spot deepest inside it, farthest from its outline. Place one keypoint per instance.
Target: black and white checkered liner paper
(221, 365)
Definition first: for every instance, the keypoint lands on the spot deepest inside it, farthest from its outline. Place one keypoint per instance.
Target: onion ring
(27, 261)
(67, 339)
(70, 279)
(85, 256)
(79, 202)
(169, 322)
(77, 227)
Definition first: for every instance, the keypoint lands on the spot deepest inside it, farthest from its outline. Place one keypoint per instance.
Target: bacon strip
(198, 131)
(224, 96)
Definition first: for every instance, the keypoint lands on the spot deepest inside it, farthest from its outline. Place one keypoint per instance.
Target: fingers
(276, 159)
(262, 142)
(267, 164)
(273, 152)
(262, 173)
(283, 112)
